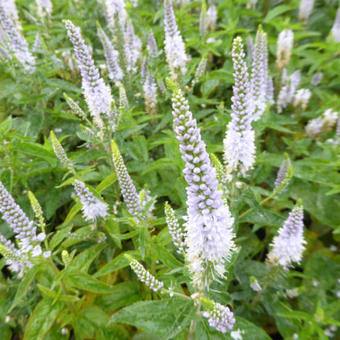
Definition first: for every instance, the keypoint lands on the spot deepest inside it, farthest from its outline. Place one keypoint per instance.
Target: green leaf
(42, 319)
(118, 263)
(37, 150)
(59, 236)
(5, 331)
(166, 318)
(24, 285)
(106, 182)
(276, 11)
(86, 282)
(122, 294)
(166, 257)
(83, 261)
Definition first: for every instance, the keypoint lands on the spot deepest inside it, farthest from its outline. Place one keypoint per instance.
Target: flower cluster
(301, 98)
(322, 124)
(174, 45)
(25, 230)
(91, 206)
(211, 18)
(60, 152)
(152, 45)
(209, 223)
(305, 9)
(239, 143)
(175, 230)
(289, 85)
(97, 95)
(114, 9)
(316, 79)
(127, 187)
(11, 11)
(201, 67)
(13, 41)
(220, 317)
(15, 259)
(144, 276)
(284, 174)
(150, 93)
(336, 27)
(284, 48)
(44, 7)
(288, 245)
(75, 108)
(132, 47)
(259, 75)
(111, 57)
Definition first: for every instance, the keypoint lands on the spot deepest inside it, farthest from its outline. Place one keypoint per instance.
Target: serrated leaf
(83, 261)
(122, 294)
(166, 318)
(118, 263)
(42, 319)
(25, 284)
(86, 282)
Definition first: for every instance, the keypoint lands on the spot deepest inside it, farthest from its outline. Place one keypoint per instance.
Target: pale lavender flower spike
(152, 45)
(15, 259)
(211, 17)
(336, 27)
(284, 174)
(175, 230)
(113, 9)
(209, 223)
(150, 93)
(174, 45)
(44, 7)
(305, 9)
(25, 230)
(14, 41)
(287, 247)
(316, 79)
(127, 187)
(284, 48)
(259, 75)
(239, 143)
(97, 95)
(220, 317)
(12, 11)
(144, 276)
(92, 207)
(132, 47)
(288, 89)
(111, 57)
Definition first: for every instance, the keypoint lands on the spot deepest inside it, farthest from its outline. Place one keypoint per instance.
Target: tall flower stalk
(287, 247)
(127, 187)
(209, 223)
(259, 75)
(97, 94)
(14, 41)
(174, 45)
(111, 57)
(305, 9)
(239, 143)
(284, 48)
(25, 230)
(92, 207)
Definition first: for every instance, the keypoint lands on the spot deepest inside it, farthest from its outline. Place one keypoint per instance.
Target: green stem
(62, 285)
(261, 203)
